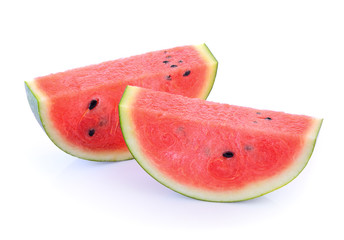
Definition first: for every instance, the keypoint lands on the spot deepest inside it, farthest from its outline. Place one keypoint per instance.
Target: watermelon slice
(212, 151)
(78, 109)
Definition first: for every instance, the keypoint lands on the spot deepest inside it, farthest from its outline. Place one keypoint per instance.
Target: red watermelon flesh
(78, 108)
(212, 151)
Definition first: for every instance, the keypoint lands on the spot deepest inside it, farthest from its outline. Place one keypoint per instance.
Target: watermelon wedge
(78, 108)
(212, 151)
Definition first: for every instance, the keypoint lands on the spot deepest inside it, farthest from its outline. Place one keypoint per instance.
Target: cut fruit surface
(212, 151)
(78, 108)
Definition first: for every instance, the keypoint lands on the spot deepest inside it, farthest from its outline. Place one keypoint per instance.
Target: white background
(278, 55)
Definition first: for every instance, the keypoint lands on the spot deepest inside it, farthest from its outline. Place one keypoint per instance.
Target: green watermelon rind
(208, 55)
(36, 102)
(136, 152)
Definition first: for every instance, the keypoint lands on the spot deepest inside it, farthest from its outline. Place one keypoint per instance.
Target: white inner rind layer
(39, 103)
(251, 190)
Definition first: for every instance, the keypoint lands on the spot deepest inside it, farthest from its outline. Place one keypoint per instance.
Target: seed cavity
(255, 122)
(228, 154)
(168, 77)
(91, 132)
(248, 148)
(173, 66)
(268, 118)
(187, 73)
(166, 62)
(168, 56)
(258, 113)
(92, 104)
(103, 122)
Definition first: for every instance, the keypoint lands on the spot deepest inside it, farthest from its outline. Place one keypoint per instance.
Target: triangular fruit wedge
(78, 109)
(212, 151)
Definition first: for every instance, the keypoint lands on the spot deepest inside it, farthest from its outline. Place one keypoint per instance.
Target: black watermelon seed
(92, 104)
(166, 62)
(187, 73)
(173, 66)
(268, 118)
(180, 61)
(91, 132)
(228, 154)
(168, 77)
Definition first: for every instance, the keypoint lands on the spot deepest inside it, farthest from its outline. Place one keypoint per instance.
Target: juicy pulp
(212, 151)
(61, 101)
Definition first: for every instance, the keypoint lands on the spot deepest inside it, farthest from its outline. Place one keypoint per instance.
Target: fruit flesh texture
(185, 140)
(147, 70)
(70, 93)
